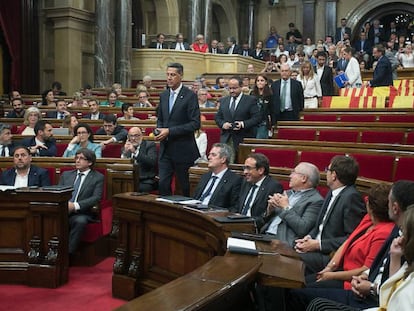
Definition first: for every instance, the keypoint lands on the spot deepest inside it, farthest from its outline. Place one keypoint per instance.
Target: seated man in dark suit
(220, 187)
(61, 110)
(24, 174)
(144, 153)
(88, 186)
(256, 188)
(179, 44)
(94, 111)
(111, 128)
(341, 212)
(6, 143)
(43, 144)
(18, 108)
(159, 44)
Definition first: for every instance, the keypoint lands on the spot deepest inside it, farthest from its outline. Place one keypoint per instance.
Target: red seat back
(320, 159)
(279, 158)
(296, 134)
(382, 137)
(405, 169)
(338, 135)
(375, 166)
(112, 151)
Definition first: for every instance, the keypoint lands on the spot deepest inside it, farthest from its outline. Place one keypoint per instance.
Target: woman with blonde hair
(31, 116)
(199, 45)
(312, 90)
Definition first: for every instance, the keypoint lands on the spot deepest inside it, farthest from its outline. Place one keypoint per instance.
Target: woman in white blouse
(406, 58)
(352, 70)
(311, 86)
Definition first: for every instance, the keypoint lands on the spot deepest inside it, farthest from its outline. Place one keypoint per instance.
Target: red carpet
(89, 289)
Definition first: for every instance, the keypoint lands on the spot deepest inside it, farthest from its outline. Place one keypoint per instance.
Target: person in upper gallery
(179, 44)
(367, 285)
(342, 210)
(18, 108)
(57, 89)
(232, 47)
(144, 153)
(159, 44)
(178, 118)
(256, 188)
(272, 38)
(293, 214)
(112, 100)
(288, 99)
(88, 185)
(23, 173)
(220, 187)
(31, 116)
(110, 127)
(376, 33)
(199, 44)
(6, 140)
(94, 113)
(61, 110)
(293, 31)
(383, 70)
(324, 73)
(245, 50)
(82, 138)
(127, 113)
(342, 30)
(42, 144)
(363, 48)
(238, 115)
(214, 47)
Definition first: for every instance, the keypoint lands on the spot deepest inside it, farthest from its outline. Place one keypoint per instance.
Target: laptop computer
(62, 131)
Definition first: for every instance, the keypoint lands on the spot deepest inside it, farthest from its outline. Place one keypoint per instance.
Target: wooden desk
(34, 237)
(159, 242)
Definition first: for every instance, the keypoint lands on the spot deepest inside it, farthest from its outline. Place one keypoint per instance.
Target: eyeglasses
(80, 158)
(248, 168)
(328, 169)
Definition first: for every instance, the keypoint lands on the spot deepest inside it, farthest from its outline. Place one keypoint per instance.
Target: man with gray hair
(293, 214)
(220, 187)
(6, 143)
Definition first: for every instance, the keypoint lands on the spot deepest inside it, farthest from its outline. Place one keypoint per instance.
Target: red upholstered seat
(60, 149)
(338, 135)
(410, 138)
(358, 118)
(213, 136)
(95, 128)
(318, 158)
(319, 117)
(382, 137)
(279, 158)
(375, 166)
(296, 134)
(397, 118)
(112, 151)
(209, 115)
(323, 190)
(405, 169)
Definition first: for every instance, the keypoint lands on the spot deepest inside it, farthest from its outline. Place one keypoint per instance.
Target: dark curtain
(10, 22)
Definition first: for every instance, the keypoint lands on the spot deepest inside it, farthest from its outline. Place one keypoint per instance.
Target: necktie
(249, 200)
(3, 151)
(283, 96)
(181, 47)
(159, 46)
(171, 101)
(76, 187)
(233, 105)
(207, 192)
(214, 51)
(61, 116)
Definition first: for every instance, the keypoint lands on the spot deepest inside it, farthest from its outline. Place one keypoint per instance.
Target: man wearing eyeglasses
(342, 210)
(144, 154)
(256, 188)
(88, 187)
(143, 101)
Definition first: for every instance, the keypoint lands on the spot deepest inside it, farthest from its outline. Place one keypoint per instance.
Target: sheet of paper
(235, 242)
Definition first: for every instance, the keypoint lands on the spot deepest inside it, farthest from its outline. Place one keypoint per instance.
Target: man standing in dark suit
(325, 75)
(88, 187)
(220, 187)
(341, 31)
(144, 153)
(238, 115)
(287, 98)
(6, 143)
(341, 212)
(178, 118)
(24, 174)
(257, 187)
(383, 70)
(365, 287)
(179, 44)
(94, 111)
(43, 144)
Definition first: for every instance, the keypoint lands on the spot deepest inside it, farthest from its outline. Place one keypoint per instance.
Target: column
(251, 24)
(208, 20)
(308, 19)
(104, 43)
(123, 43)
(195, 19)
(330, 13)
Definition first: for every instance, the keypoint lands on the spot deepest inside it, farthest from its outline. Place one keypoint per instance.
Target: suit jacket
(52, 114)
(296, 95)
(51, 150)
(10, 147)
(343, 217)
(338, 33)
(268, 187)
(174, 44)
(326, 81)
(153, 45)
(89, 116)
(246, 111)
(183, 120)
(120, 133)
(147, 160)
(367, 48)
(37, 177)
(260, 56)
(249, 52)
(382, 73)
(236, 50)
(226, 193)
(91, 191)
(342, 64)
(12, 114)
(299, 220)
(371, 35)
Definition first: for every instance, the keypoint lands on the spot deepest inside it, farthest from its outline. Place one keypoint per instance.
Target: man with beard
(42, 144)
(18, 110)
